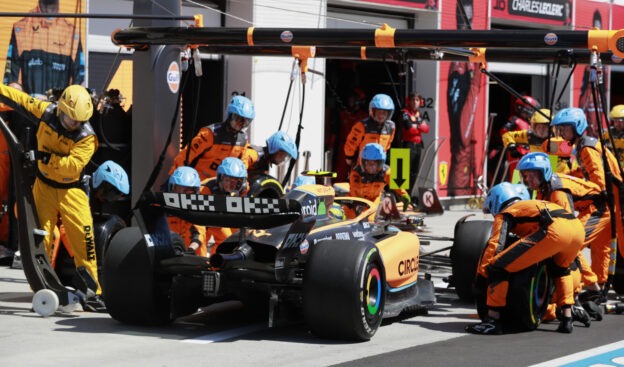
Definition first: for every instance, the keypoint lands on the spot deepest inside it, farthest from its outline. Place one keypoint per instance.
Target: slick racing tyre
(469, 242)
(266, 187)
(530, 292)
(134, 293)
(103, 231)
(344, 290)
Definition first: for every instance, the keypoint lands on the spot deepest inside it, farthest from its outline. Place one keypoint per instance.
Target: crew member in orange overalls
(574, 194)
(377, 128)
(571, 124)
(369, 178)
(412, 128)
(545, 230)
(65, 144)
(185, 180)
(215, 142)
(44, 53)
(231, 180)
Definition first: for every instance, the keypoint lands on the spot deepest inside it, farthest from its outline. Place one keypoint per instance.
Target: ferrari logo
(443, 172)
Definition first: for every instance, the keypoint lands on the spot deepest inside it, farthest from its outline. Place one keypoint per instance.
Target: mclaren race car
(343, 276)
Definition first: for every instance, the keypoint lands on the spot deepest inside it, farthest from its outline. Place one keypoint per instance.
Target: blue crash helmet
(241, 106)
(373, 152)
(114, 174)
(571, 116)
(184, 176)
(232, 167)
(381, 102)
(537, 161)
(502, 195)
(281, 141)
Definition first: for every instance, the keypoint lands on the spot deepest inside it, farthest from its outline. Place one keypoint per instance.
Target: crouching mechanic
(231, 180)
(574, 194)
(185, 180)
(545, 230)
(369, 178)
(110, 183)
(65, 143)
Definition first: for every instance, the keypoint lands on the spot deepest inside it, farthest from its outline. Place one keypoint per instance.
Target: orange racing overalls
(58, 186)
(545, 230)
(369, 187)
(210, 146)
(589, 157)
(219, 234)
(586, 198)
(189, 233)
(368, 131)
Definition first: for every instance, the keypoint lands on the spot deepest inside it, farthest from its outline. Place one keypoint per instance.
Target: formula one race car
(344, 276)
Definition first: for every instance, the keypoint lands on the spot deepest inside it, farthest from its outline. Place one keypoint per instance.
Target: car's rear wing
(226, 211)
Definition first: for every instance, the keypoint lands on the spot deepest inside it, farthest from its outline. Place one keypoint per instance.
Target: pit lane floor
(223, 335)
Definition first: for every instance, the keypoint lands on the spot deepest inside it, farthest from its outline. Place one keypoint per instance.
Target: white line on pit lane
(225, 335)
(590, 357)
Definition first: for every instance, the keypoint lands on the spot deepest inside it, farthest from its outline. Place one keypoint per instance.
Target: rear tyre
(344, 290)
(469, 242)
(133, 291)
(103, 231)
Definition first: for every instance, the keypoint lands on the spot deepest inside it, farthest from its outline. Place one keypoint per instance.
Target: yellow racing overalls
(58, 186)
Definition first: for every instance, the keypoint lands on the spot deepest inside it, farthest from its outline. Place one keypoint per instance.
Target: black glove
(44, 157)
(513, 151)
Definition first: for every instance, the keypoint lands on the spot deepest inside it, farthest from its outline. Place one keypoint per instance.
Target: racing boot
(579, 314)
(489, 326)
(595, 296)
(593, 310)
(565, 325)
(94, 304)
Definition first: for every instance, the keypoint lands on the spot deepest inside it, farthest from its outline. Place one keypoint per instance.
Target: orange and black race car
(344, 276)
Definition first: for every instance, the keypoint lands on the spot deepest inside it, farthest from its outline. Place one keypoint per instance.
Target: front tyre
(344, 290)
(470, 240)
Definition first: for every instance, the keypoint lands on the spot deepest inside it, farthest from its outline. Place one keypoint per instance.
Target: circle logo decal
(551, 39)
(173, 77)
(286, 36)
